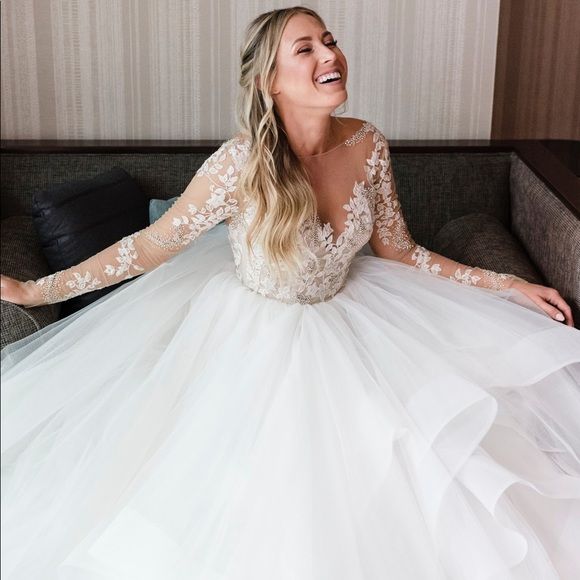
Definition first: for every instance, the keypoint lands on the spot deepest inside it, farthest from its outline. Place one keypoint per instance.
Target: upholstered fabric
(158, 175)
(433, 188)
(22, 259)
(482, 240)
(549, 230)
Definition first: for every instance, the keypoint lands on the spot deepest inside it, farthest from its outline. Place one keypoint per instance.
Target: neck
(310, 135)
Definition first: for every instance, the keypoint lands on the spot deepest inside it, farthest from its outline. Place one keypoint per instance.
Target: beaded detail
(165, 242)
(359, 135)
(496, 280)
(51, 286)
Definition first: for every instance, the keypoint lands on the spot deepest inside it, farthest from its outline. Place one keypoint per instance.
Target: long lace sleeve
(208, 199)
(391, 238)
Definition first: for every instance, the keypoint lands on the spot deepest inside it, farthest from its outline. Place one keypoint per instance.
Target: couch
(509, 206)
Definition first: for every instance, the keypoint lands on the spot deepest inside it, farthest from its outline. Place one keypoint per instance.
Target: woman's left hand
(548, 299)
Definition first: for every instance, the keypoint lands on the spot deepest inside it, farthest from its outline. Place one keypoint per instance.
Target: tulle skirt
(184, 427)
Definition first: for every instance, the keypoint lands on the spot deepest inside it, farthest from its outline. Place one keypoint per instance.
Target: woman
(335, 416)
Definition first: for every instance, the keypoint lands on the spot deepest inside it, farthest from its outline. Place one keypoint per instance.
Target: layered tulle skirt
(184, 427)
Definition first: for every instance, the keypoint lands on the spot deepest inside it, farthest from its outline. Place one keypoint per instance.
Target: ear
(258, 85)
(274, 90)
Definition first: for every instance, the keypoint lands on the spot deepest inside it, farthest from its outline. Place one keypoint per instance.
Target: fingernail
(560, 317)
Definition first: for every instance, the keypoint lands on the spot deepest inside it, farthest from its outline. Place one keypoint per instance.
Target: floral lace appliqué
(422, 257)
(126, 259)
(220, 205)
(325, 270)
(391, 226)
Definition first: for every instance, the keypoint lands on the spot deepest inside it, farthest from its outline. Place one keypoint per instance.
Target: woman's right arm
(207, 200)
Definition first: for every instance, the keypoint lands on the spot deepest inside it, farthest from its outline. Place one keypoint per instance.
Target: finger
(555, 300)
(550, 310)
(566, 310)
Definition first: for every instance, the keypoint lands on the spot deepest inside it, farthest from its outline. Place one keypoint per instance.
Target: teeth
(334, 75)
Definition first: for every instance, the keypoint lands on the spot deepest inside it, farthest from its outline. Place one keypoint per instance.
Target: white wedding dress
(408, 418)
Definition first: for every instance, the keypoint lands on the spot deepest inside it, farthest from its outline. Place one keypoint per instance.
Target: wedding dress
(408, 418)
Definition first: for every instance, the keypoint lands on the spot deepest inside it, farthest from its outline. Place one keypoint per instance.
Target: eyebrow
(325, 33)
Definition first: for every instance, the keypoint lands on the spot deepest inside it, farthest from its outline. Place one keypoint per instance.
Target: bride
(271, 403)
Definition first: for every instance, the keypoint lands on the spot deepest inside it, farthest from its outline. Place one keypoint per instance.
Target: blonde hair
(273, 177)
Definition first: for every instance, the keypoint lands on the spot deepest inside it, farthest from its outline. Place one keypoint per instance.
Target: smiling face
(307, 51)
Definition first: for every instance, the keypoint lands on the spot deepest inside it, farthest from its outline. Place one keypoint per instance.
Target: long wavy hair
(273, 177)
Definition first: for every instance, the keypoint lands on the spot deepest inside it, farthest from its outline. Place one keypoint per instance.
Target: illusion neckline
(349, 141)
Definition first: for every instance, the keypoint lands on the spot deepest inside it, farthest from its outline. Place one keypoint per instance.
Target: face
(300, 63)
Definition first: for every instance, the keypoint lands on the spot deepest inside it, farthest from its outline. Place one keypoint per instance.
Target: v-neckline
(319, 225)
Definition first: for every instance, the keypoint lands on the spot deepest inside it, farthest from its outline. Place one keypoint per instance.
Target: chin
(343, 99)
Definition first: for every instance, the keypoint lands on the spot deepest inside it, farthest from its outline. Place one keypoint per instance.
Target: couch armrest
(549, 231)
(23, 260)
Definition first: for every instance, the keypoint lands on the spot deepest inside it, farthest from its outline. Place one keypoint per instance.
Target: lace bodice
(324, 273)
(358, 174)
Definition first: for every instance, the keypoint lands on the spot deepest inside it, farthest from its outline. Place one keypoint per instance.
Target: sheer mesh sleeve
(208, 199)
(391, 238)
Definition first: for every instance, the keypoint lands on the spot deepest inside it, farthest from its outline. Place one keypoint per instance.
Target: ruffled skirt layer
(186, 427)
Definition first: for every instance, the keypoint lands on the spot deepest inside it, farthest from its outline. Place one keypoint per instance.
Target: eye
(306, 49)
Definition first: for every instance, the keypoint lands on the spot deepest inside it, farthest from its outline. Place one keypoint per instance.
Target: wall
(167, 69)
(537, 89)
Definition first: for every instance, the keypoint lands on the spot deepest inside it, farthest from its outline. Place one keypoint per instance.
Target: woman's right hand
(23, 293)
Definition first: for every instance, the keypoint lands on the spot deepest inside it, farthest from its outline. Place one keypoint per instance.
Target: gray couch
(481, 205)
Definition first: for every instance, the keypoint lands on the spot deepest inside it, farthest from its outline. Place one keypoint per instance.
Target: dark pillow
(481, 240)
(76, 220)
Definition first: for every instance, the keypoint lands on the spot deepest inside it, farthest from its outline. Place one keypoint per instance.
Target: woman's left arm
(392, 240)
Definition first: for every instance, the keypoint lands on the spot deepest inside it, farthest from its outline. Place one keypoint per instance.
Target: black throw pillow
(76, 220)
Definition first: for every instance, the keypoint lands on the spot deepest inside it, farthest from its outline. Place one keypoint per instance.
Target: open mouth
(329, 78)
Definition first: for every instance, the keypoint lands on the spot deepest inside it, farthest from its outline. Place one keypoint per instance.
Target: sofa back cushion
(434, 188)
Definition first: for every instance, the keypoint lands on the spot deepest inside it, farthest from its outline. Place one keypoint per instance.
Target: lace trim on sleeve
(467, 275)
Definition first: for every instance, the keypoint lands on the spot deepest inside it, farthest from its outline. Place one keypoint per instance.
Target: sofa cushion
(481, 240)
(22, 259)
(157, 207)
(78, 219)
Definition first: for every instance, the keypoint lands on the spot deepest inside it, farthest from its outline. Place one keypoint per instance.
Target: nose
(327, 54)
